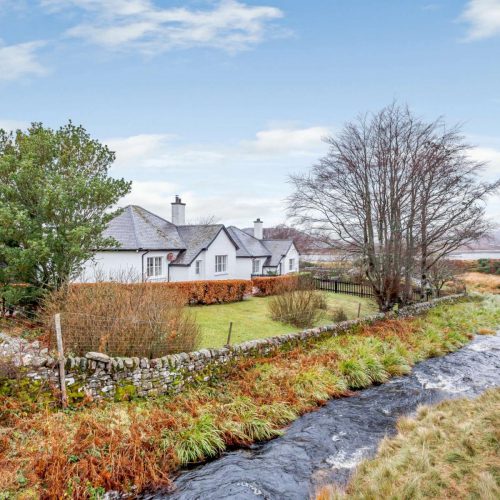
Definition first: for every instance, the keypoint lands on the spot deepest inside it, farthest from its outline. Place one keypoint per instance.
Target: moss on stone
(125, 392)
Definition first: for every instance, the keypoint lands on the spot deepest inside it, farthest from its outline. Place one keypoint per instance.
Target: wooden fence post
(229, 333)
(60, 352)
(359, 309)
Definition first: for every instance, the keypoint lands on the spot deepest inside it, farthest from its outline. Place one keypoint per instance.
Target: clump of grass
(395, 364)
(199, 441)
(446, 451)
(318, 384)
(245, 424)
(375, 370)
(355, 373)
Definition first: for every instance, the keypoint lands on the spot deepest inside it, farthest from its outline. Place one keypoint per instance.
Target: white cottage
(150, 248)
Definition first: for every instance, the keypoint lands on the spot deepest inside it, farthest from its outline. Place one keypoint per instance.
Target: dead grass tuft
(483, 283)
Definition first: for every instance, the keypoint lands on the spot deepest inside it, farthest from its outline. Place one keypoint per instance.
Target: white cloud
(491, 158)
(235, 183)
(168, 151)
(152, 195)
(483, 17)
(18, 61)
(240, 209)
(140, 25)
(290, 140)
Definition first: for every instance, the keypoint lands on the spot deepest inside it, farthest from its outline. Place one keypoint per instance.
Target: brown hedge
(195, 292)
(272, 285)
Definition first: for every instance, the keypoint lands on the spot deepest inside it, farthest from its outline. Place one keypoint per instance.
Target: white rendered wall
(222, 245)
(285, 263)
(244, 268)
(122, 265)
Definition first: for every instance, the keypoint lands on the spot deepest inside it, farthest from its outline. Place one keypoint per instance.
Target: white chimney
(178, 212)
(258, 229)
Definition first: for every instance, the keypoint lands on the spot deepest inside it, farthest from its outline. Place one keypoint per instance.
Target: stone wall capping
(98, 356)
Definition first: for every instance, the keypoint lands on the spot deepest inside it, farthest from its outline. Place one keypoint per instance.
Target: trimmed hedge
(272, 285)
(213, 291)
(196, 292)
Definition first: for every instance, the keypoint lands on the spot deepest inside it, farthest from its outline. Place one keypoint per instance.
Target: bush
(211, 291)
(272, 285)
(123, 320)
(300, 308)
(488, 266)
(339, 315)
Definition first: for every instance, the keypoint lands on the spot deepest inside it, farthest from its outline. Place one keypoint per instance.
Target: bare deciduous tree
(399, 193)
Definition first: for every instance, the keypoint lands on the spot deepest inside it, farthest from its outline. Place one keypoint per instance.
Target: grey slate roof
(274, 250)
(249, 246)
(278, 249)
(196, 239)
(138, 229)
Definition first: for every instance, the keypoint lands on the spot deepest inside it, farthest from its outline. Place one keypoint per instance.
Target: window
(197, 267)
(291, 263)
(154, 267)
(221, 263)
(256, 266)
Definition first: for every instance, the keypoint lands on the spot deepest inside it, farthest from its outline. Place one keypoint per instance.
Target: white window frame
(220, 264)
(291, 264)
(154, 267)
(256, 266)
(197, 267)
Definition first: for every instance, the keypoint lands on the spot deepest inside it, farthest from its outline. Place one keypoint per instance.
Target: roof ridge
(200, 225)
(132, 217)
(154, 215)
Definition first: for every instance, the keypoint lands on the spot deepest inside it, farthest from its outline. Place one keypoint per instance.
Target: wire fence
(126, 336)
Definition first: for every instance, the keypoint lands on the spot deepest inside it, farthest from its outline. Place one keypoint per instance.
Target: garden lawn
(251, 319)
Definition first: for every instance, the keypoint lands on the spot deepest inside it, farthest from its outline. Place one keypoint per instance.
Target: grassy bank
(131, 446)
(251, 318)
(447, 451)
(482, 283)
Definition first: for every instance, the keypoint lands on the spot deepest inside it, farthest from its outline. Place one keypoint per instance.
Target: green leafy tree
(55, 199)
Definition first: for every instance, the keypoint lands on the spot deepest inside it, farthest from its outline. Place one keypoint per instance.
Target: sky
(220, 101)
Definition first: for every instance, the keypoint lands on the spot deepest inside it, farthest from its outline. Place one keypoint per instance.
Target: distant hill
(484, 244)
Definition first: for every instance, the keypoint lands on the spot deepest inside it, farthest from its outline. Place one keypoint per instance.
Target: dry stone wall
(100, 376)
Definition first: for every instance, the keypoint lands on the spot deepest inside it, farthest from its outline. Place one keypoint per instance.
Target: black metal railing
(360, 289)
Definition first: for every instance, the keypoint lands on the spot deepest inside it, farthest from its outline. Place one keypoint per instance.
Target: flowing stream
(325, 446)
